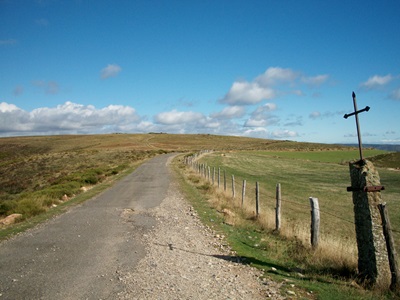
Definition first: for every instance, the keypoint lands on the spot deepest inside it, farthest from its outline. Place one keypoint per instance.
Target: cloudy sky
(268, 69)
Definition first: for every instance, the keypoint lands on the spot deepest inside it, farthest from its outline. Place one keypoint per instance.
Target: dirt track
(137, 240)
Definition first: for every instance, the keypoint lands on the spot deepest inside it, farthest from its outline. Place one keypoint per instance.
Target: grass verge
(27, 223)
(309, 273)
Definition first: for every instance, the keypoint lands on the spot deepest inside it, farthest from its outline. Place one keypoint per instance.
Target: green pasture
(304, 174)
(337, 156)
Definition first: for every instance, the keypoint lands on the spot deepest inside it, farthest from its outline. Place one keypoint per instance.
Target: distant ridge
(387, 147)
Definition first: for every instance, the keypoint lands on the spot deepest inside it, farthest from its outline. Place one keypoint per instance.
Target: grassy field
(331, 270)
(323, 175)
(37, 173)
(41, 176)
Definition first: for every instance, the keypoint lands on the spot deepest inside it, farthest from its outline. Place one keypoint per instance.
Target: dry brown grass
(39, 170)
(332, 252)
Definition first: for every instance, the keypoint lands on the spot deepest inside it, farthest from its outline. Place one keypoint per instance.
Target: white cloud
(111, 70)
(255, 123)
(316, 80)
(230, 112)
(256, 132)
(243, 92)
(262, 117)
(175, 117)
(377, 81)
(261, 132)
(279, 134)
(6, 108)
(275, 75)
(269, 85)
(212, 124)
(267, 107)
(68, 117)
(13, 119)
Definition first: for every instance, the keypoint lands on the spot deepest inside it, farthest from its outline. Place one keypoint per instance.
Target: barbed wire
(307, 206)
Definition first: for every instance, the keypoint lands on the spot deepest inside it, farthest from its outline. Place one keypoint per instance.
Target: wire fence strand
(331, 214)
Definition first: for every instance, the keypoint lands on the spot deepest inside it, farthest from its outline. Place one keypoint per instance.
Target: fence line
(315, 210)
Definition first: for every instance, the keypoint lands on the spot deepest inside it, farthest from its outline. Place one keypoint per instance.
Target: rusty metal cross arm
(367, 108)
(356, 112)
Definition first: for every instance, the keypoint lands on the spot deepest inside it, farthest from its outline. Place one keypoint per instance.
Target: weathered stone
(373, 265)
(10, 219)
(291, 293)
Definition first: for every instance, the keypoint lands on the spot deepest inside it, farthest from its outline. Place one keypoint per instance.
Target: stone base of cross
(373, 265)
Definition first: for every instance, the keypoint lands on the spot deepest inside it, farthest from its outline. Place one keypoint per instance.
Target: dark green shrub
(92, 176)
(7, 206)
(30, 207)
(57, 191)
(117, 169)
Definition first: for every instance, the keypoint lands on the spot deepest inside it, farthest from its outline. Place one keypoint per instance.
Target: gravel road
(137, 240)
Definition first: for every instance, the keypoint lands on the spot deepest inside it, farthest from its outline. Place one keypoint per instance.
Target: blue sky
(267, 69)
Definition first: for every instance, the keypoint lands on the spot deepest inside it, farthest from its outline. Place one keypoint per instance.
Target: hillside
(152, 141)
(386, 147)
(42, 170)
(44, 174)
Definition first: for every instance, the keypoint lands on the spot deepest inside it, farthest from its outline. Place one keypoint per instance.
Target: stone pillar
(373, 265)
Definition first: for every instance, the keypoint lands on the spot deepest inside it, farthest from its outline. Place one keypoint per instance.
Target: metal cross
(356, 112)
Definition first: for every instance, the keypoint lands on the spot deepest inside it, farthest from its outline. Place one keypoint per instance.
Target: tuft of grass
(326, 273)
(300, 179)
(30, 207)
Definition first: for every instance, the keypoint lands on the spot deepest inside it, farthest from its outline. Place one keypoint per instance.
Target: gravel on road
(140, 239)
(187, 260)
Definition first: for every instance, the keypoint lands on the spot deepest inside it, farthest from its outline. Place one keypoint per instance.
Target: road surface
(80, 254)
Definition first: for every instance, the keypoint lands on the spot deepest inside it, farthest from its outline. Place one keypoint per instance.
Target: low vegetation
(41, 172)
(329, 271)
(44, 175)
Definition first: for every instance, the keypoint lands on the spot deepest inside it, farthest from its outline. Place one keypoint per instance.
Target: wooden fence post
(224, 180)
(219, 176)
(314, 222)
(213, 176)
(233, 186)
(387, 232)
(243, 191)
(257, 199)
(278, 208)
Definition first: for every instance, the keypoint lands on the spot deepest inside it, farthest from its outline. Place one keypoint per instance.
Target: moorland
(43, 175)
